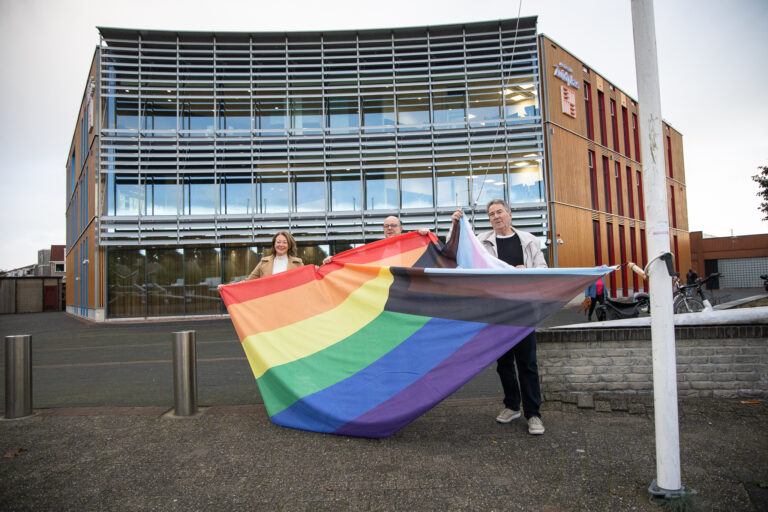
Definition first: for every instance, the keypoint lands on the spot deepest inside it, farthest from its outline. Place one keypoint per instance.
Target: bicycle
(690, 298)
(687, 298)
(683, 299)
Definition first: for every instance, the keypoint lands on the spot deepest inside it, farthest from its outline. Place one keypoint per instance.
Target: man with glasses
(522, 250)
(392, 227)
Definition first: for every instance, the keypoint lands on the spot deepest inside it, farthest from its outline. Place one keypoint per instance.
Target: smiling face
(281, 245)
(500, 218)
(392, 227)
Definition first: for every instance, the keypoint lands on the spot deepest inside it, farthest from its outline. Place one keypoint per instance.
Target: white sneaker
(507, 415)
(535, 425)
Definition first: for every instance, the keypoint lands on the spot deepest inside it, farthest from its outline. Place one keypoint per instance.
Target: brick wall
(612, 368)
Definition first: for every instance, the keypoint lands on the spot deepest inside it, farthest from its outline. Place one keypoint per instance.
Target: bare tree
(762, 180)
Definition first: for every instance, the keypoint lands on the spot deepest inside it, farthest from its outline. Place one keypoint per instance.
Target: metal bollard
(184, 373)
(18, 376)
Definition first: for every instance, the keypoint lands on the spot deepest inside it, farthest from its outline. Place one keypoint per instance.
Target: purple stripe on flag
(442, 380)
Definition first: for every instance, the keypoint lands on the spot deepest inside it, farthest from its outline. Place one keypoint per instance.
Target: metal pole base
(184, 373)
(659, 493)
(18, 376)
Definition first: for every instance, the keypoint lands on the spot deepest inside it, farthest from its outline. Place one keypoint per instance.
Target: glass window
(413, 111)
(416, 188)
(271, 115)
(309, 190)
(159, 115)
(484, 107)
(235, 115)
(123, 113)
(274, 192)
(126, 293)
(161, 196)
(313, 254)
(126, 199)
(487, 184)
(165, 282)
(448, 106)
(343, 116)
(525, 184)
(237, 193)
(380, 189)
(521, 103)
(239, 262)
(306, 115)
(202, 276)
(378, 113)
(199, 195)
(345, 190)
(452, 187)
(197, 115)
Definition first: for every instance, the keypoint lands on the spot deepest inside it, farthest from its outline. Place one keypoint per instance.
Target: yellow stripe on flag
(305, 337)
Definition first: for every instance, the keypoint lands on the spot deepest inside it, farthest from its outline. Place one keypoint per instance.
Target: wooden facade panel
(570, 169)
(575, 227)
(82, 204)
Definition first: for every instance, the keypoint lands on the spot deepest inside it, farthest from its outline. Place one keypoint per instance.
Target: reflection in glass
(416, 188)
(202, 276)
(236, 193)
(525, 185)
(126, 294)
(158, 115)
(197, 115)
(412, 111)
(448, 108)
(306, 114)
(274, 192)
(122, 114)
(165, 282)
(378, 113)
(235, 115)
(199, 195)
(271, 115)
(521, 102)
(239, 262)
(161, 195)
(342, 115)
(484, 107)
(345, 191)
(452, 187)
(487, 186)
(309, 191)
(127, 200)
(380, 189)
(313, 254)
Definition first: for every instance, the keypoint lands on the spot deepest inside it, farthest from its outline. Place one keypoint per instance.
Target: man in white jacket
(522, 250)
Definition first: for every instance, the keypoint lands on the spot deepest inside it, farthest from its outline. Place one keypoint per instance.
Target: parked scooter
(618, 309)
(765, 281)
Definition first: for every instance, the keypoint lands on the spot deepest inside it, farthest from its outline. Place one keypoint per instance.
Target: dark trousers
(522, 356)
(601, 299)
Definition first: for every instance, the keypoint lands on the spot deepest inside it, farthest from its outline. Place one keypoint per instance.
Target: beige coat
(532, 254)
(264, 268)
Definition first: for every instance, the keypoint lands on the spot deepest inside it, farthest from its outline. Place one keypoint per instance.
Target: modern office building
(193, 148)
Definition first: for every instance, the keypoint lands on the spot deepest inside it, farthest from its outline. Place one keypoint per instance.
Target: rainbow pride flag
(364, 345)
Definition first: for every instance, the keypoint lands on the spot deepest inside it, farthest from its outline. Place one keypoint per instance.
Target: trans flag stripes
(364, 345)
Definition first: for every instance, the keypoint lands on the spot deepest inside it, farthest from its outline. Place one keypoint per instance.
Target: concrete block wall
(611, 369)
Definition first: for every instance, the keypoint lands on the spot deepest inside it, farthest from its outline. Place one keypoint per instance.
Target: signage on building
(565, 74)
(568, 100)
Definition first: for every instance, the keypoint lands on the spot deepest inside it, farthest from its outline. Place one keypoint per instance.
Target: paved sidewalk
(456, 457)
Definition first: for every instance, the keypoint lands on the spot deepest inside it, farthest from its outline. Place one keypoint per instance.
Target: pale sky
(712, 68)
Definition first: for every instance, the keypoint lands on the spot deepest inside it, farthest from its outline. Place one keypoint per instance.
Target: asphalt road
(80, 363)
